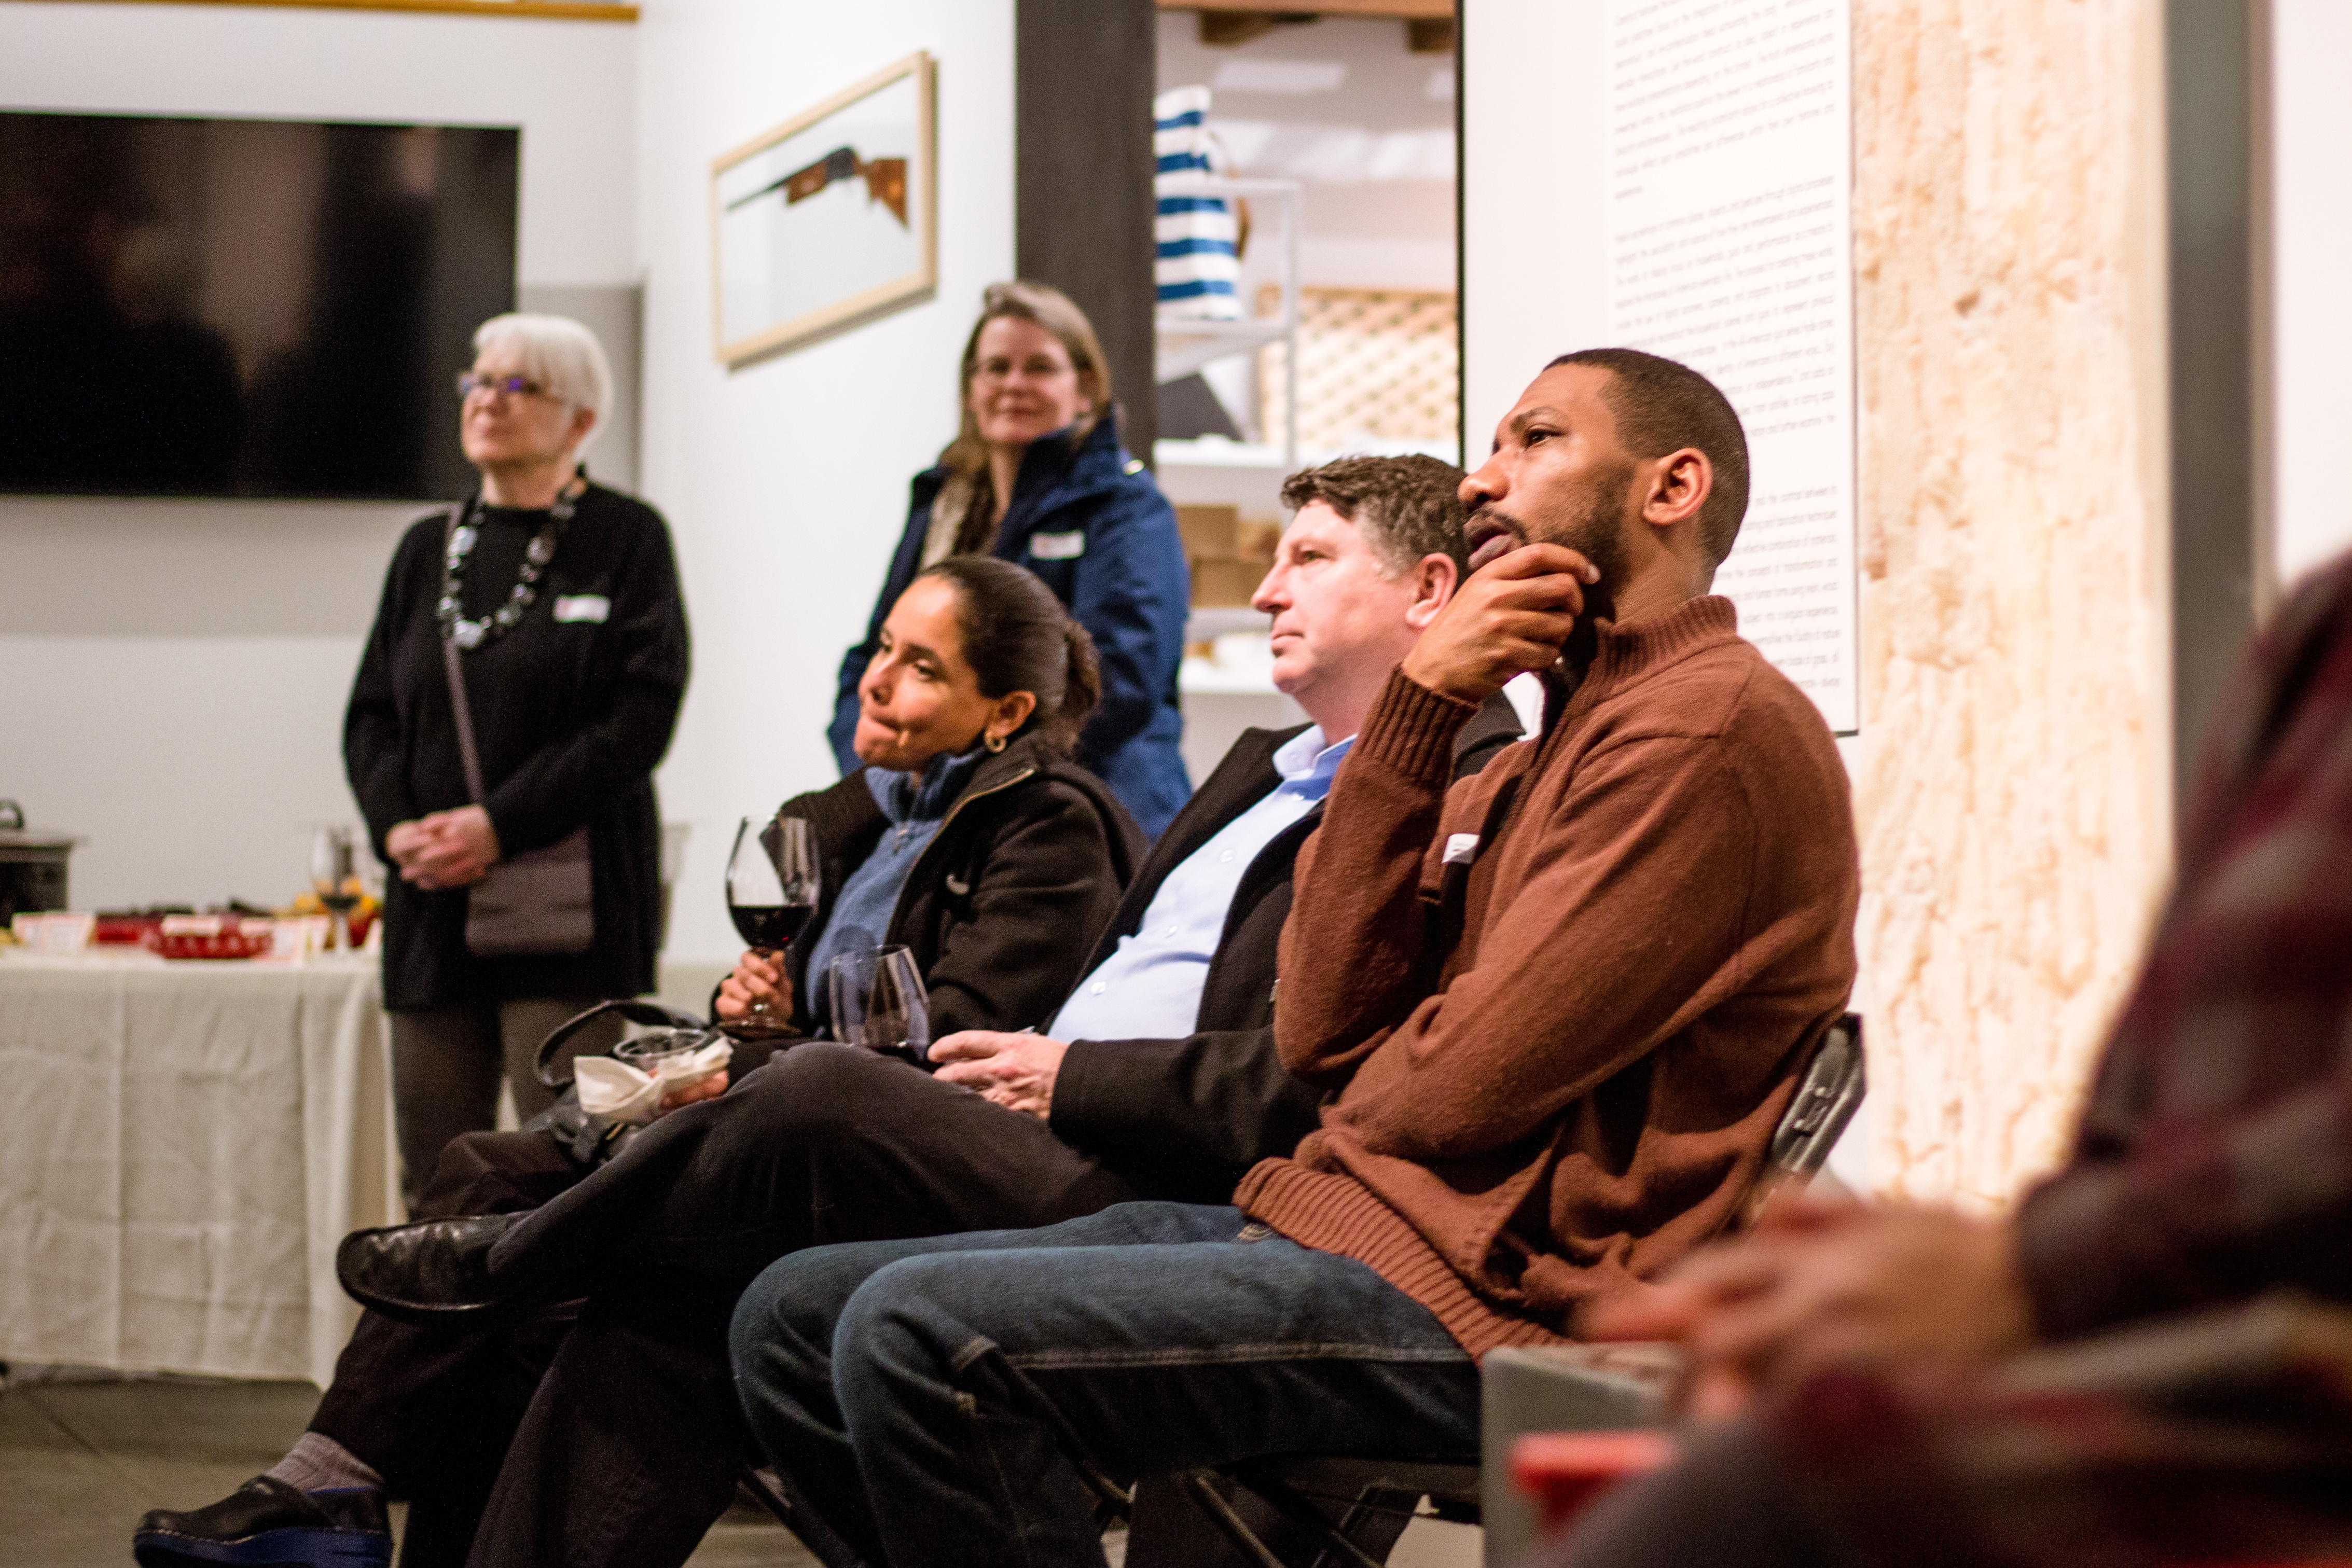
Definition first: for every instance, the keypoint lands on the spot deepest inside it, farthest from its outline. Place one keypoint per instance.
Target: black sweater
(571, 717)
(1182, 1119)
(1035, 849)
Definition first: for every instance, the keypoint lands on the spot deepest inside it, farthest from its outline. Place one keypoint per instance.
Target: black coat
(1182, 1119)
(571, 717)
(1035, 849)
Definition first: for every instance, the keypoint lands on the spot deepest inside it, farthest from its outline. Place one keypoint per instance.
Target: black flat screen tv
(259, 307)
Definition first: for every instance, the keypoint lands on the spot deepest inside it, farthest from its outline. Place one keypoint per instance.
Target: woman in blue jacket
(1038, 476)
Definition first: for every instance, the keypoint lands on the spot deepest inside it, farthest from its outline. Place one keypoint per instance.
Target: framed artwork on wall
(828, 219)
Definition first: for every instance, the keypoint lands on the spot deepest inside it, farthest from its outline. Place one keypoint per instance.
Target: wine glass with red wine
(334, 868)
(878, 1001)
(771, 890)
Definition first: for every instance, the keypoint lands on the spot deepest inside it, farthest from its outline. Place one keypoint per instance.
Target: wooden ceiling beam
(548, 10)
(1409, 10)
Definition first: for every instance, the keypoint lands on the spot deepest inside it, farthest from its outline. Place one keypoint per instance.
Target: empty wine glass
(772, 881)
(878, 1001)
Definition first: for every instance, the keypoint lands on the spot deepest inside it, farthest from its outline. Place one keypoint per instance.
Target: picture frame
(828, 219)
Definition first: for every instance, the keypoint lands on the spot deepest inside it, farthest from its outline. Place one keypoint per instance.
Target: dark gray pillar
(2217, 72)
(1085, 71)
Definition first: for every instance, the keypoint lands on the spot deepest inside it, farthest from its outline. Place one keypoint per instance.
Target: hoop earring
(994, 743)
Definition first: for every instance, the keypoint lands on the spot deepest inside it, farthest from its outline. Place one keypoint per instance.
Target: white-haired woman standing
(549, 605)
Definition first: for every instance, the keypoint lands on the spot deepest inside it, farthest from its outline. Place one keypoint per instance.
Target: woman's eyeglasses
(468, 383)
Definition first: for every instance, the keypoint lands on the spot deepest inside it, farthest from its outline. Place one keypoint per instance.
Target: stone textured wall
(2008, 257)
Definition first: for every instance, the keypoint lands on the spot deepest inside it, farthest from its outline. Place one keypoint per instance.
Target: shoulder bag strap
(652, 1015)
(466, 753)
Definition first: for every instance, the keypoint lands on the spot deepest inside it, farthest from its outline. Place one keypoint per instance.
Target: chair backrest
(1583, 1387)
(1829, 1092)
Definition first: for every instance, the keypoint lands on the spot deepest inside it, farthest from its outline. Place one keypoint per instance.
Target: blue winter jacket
(1095, 526)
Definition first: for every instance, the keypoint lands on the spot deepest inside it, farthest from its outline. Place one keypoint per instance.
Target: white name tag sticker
(1460, 847)
(582, 607)
(1057, 547)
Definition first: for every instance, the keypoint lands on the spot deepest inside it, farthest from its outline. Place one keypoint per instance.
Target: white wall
(1535, 241)
(1535, 279)
(785, 481)
(173, 673)
(2312, 48)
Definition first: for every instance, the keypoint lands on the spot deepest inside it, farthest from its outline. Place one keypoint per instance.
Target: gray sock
(317, 1463)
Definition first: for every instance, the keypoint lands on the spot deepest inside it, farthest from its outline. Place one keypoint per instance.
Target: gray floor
(82, 1457)
(81, 1460)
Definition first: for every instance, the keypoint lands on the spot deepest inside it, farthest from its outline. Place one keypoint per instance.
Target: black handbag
(590, 1140)
(534, 901)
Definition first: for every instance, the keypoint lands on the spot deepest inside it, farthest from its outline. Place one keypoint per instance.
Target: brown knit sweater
(1559, 1055)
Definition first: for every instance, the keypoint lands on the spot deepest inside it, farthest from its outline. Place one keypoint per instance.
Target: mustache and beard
(1593, 527)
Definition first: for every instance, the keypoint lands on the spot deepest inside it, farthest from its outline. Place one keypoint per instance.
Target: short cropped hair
(560, 355)
(1406, 508)
(1661, 405)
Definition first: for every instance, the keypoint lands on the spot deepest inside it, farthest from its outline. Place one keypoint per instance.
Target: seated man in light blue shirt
(1162, 1064)
(1159, 1077)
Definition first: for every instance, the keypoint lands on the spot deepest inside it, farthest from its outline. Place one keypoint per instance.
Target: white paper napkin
(626, 1093)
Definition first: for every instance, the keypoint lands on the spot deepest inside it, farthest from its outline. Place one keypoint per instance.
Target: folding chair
(1355, 1510)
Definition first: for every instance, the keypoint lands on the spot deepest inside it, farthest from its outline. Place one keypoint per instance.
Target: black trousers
(607, 1432)
(432, 1410)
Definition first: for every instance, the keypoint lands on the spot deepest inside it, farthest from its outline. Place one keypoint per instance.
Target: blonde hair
(560, 355)
(966, 457)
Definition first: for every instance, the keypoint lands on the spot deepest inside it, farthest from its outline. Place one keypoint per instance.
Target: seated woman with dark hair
(969, 836)
(977, 688)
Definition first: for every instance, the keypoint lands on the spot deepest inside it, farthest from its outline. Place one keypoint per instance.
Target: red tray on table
(212, 936)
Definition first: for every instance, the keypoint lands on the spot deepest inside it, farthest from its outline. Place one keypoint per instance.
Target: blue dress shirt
(1150, 988)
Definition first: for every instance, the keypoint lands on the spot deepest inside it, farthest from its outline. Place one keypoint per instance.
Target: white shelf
(1198, 678)
(1185, 347)
(1214, 452)
(1182, 347)
(1204, 624)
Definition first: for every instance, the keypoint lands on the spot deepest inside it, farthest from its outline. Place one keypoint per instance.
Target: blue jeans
(924, 1396)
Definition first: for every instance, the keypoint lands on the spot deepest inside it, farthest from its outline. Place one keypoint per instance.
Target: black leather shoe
(432, 1272)
(267, 1521)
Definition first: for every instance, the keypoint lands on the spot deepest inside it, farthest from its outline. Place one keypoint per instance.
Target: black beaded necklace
(463, 535)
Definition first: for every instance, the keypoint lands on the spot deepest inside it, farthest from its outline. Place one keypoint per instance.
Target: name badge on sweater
(582, 607)
(1461, 848)
(1057, 547)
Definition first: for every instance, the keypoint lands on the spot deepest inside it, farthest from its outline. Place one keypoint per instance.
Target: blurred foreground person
(2150, 1361)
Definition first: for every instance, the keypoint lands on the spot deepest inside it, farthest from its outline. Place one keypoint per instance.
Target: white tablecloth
(181, 1145)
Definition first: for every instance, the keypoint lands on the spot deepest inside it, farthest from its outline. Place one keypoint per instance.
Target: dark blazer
(1110, 552)
(571, 715)
(1182, 1119)
(1035, 848)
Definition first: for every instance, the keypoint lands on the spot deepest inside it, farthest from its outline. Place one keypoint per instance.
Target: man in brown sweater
(1556, 1010)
